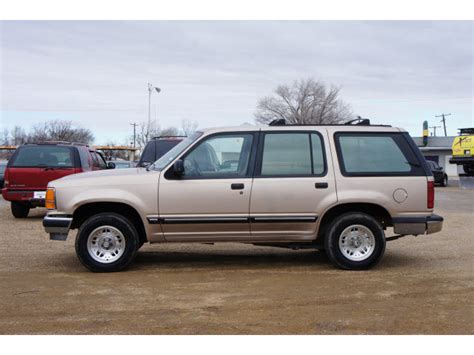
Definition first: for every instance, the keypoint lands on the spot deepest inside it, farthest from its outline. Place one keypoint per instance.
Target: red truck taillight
(431, 195)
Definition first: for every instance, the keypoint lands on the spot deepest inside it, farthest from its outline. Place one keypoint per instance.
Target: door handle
(321, 185)
(237, 186)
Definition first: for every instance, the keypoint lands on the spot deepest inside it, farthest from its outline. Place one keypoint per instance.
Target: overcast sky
(96, 73)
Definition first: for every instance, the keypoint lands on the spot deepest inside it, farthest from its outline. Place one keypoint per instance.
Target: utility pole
(434, 128)
(134, 138)
(444, 121)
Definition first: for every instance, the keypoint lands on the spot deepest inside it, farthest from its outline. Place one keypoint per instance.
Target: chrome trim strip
(284, 219)
(187, 220)
(257, 219)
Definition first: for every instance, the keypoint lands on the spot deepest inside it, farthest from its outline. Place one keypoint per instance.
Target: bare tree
(60, 131)
(145, 132)
(5, 140)
(188, 127)
(306, 101)
(18, 136)
(170, 131)
(148, 130)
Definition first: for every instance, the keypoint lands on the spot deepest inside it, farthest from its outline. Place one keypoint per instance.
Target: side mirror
(178, 167)
(110, 165)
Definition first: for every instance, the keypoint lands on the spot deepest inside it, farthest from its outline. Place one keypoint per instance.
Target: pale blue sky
(96, 73)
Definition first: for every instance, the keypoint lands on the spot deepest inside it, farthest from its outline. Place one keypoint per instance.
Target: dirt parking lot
(423, 285)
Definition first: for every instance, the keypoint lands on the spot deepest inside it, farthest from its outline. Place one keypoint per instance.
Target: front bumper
(417, 225)
(57, 226)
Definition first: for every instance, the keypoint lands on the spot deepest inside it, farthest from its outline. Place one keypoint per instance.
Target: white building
(439, 150)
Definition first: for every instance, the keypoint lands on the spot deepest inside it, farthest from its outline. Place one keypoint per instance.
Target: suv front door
(292, 185)
(210, 201)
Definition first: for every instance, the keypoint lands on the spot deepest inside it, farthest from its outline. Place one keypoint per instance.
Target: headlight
(50, 199)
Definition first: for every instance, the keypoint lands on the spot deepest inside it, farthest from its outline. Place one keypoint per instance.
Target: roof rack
(49, 142)
(466, 131)
(169, 137)
(278, 122)
(56, 142)
(359, 121)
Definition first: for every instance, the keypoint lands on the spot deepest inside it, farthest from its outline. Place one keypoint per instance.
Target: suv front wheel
(107, 242)
(355, 241)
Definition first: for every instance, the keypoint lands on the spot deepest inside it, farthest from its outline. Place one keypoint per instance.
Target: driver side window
(219, 156)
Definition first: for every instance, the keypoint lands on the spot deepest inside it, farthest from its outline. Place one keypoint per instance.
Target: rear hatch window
(38, 156)
(164, 146)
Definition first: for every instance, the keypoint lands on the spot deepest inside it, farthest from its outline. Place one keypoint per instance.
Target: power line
(444, 121)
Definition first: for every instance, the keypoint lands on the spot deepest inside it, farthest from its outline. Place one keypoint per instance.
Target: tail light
(6, 181)
(431, 195)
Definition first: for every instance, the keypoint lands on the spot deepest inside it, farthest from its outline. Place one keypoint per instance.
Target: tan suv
(334, 187)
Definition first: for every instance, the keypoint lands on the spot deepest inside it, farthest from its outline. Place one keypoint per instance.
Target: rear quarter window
(376, 154)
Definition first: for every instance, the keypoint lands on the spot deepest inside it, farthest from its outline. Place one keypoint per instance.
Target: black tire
(444, 182)
(335, 230)
(107, 219)
(20, 209)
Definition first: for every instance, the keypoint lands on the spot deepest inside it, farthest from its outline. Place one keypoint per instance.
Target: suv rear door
(293, 183)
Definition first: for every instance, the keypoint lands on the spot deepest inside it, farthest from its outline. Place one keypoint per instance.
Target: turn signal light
(50, 199)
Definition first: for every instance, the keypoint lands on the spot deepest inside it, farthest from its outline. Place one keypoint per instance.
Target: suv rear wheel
(355, 241)
(20, 209)
(107, 242)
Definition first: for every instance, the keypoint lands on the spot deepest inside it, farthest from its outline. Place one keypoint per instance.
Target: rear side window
(43, 156)
(98, 161)
(292, 154)
(376, 154)
(84, 157)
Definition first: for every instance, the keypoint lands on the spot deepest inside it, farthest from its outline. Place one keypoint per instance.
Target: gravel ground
(423, 285)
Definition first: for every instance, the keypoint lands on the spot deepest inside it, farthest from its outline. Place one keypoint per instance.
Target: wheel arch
(377, 211)
(87, 210)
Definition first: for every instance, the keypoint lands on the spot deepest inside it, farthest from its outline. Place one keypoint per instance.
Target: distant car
(156, 148)
(3, 165)
(33, 166)
(438, 173)
(122, 164)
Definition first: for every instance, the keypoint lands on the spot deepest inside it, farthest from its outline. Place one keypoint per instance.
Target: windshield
(161, 163)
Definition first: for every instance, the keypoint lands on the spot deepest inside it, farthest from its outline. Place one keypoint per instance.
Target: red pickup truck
(33, 166)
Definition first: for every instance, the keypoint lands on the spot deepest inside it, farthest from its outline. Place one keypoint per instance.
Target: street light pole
(150, 90)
